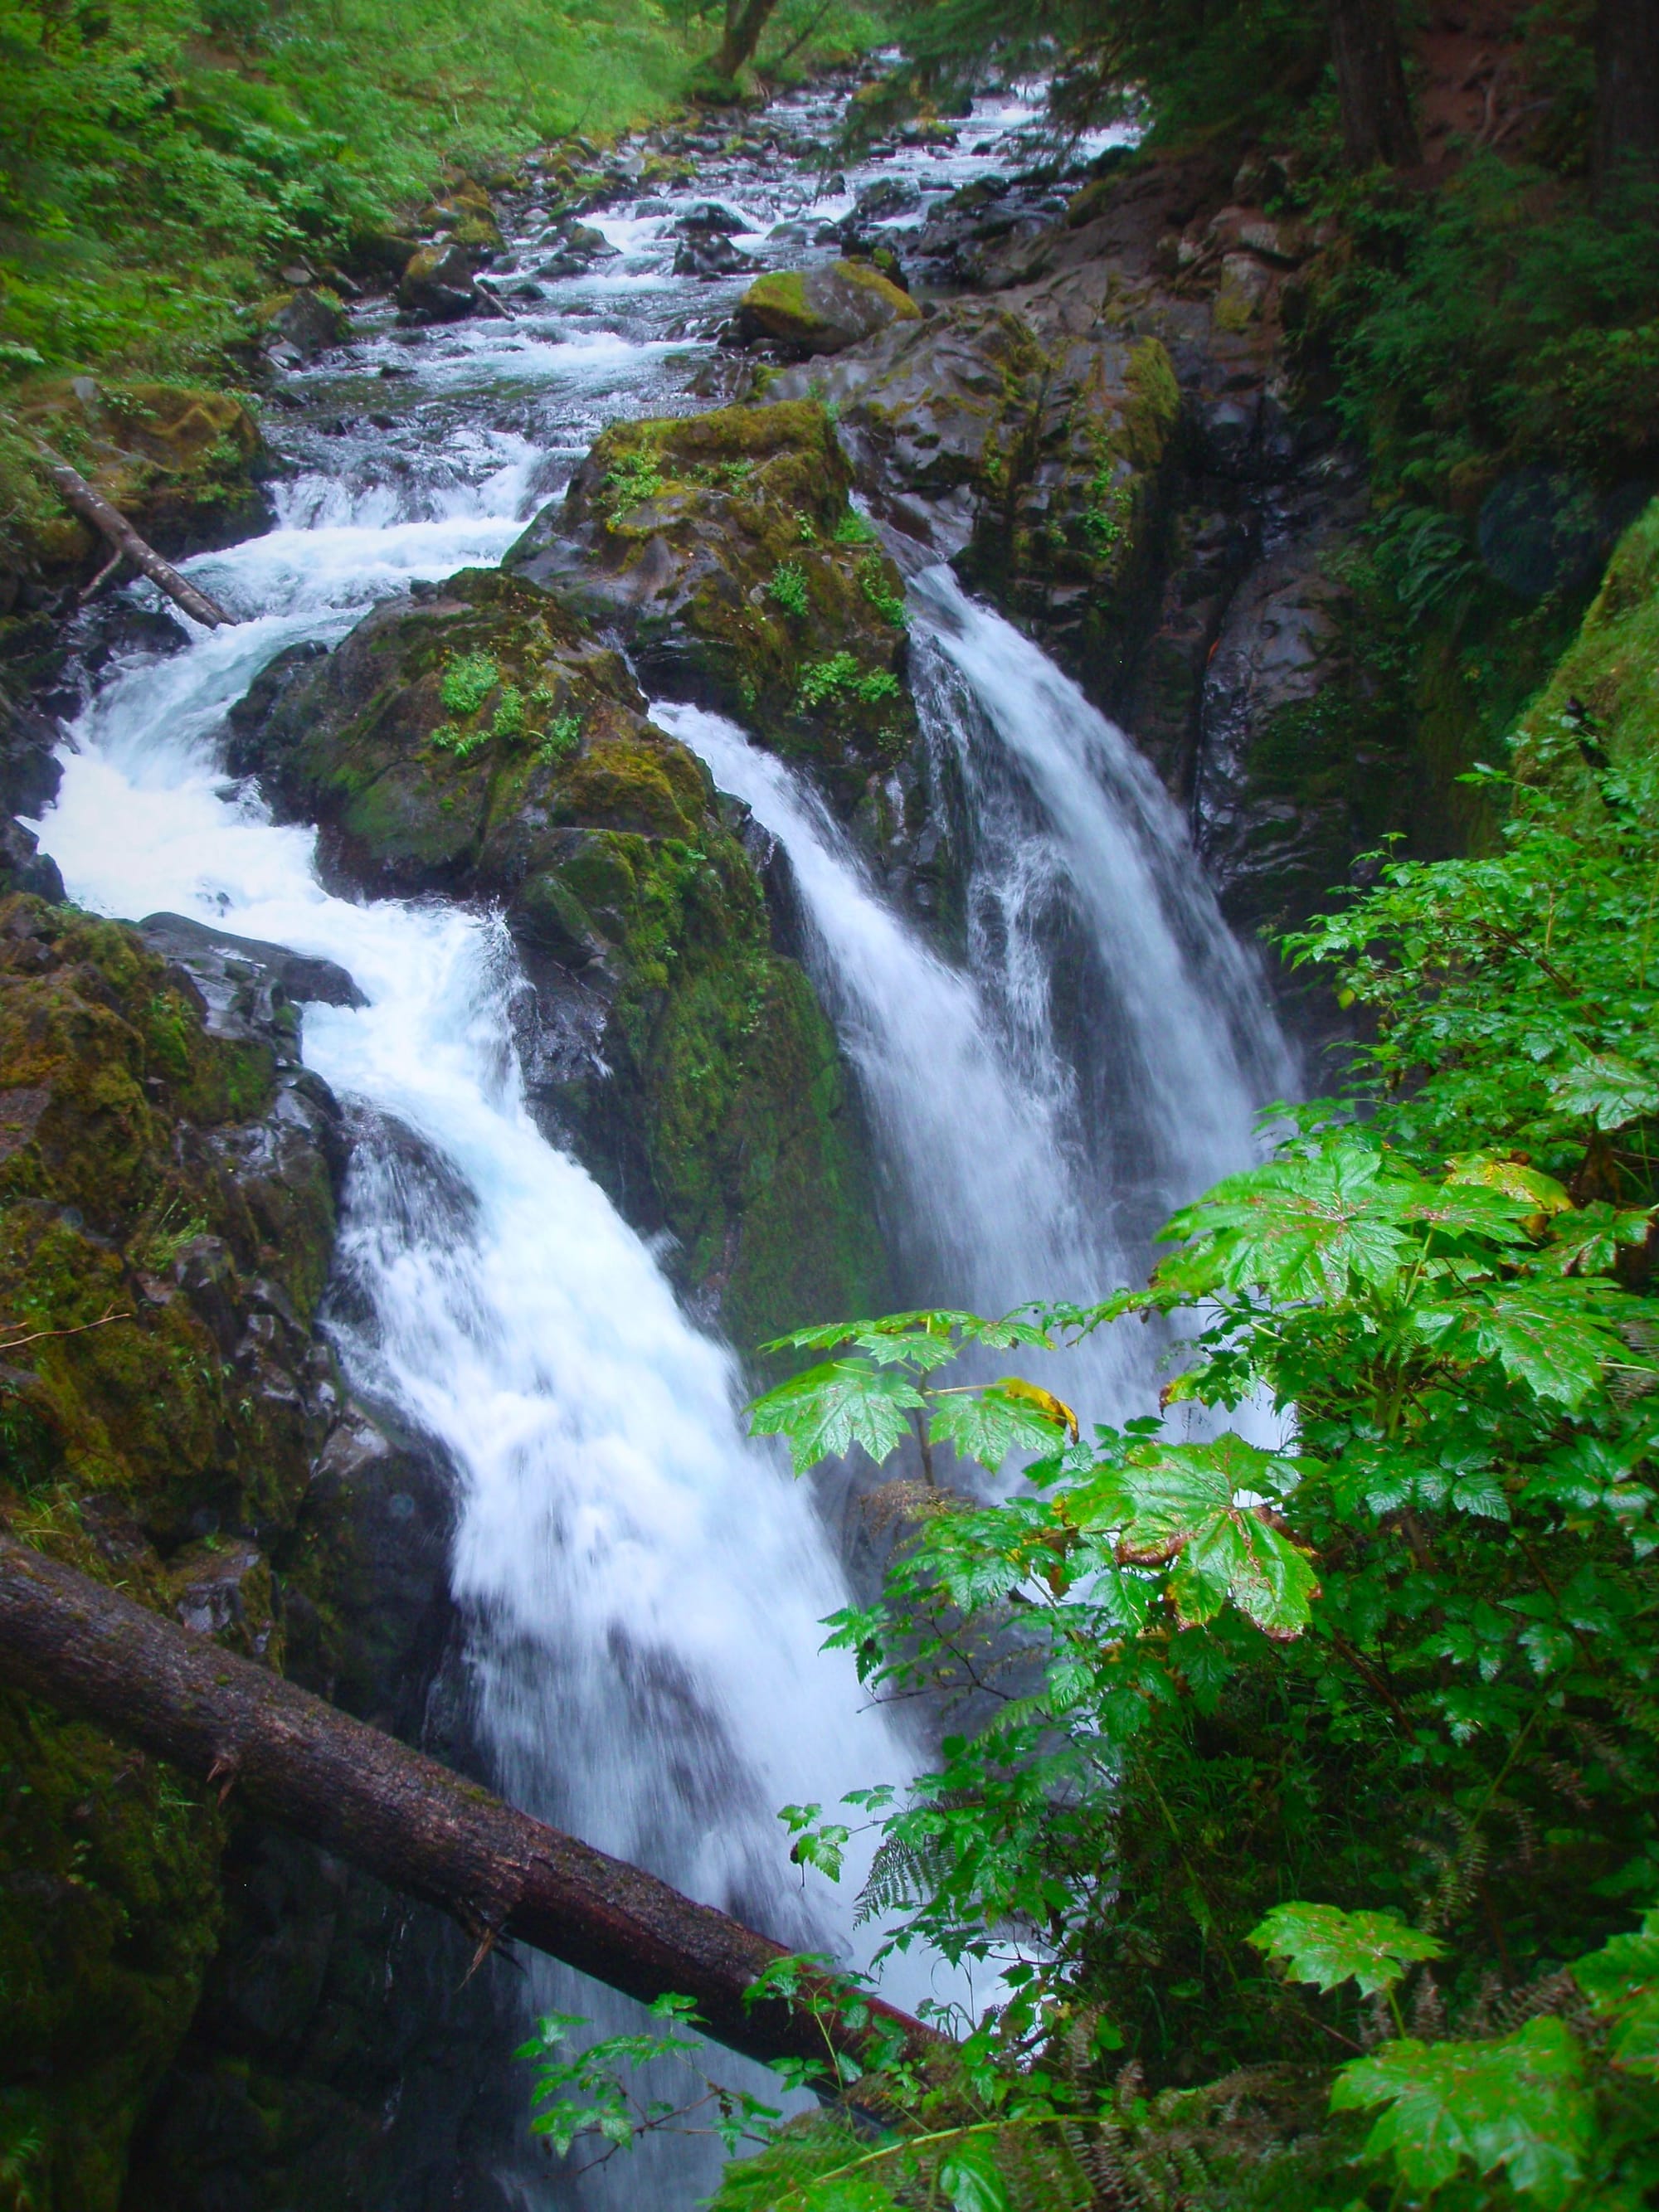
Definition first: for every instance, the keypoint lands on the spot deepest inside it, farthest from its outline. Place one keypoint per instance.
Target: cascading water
(1103, 1052)
(643, 1587)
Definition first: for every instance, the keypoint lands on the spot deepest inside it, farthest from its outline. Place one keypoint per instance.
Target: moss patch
(150, 1287)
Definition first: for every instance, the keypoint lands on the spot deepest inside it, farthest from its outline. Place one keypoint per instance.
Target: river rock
(708, 219)
(888, 195)
(710, 255)
(824, 310)
(309, 321)
(439, 285)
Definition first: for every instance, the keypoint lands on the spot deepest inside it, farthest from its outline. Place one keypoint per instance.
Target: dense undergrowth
(159, 161)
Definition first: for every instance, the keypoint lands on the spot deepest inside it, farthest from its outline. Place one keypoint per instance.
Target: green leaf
(1605, 1090)
(825, 1412)
(1518, 2103)
(988, 1425)
(1165, 1501)
(1301, 1229)
(1586, 1242)
(1322, 1944)
(968, 2174)
(1621, 1980)
(1498, 1172)
(1546, 1335)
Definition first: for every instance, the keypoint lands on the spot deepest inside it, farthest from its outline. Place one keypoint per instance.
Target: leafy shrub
(854, 530)
(788, 586)
(821, 680)
(633, 479)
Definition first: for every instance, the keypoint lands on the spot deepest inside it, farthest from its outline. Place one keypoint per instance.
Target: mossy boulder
(482, 740)
(722, 550)
(166, 1220)
(185, 465)
(824, 310)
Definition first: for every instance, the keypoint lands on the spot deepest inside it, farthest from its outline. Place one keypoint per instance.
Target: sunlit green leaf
(825, 1412)
(1621, 1980)
(1322, 1944)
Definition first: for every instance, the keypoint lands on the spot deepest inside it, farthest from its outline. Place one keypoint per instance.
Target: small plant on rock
(854, 530)
(872, 582)
(563, 737)
(788, 586)
(468, 680)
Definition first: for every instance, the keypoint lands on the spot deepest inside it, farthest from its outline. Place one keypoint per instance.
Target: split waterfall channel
(642, 1584)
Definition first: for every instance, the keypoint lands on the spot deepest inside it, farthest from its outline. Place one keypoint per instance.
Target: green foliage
(1322, 1944)
(592, 2090)
(854, 530)
(635, 477)
(887, 603)
(788, 586)
(563, 736)
(468, 680)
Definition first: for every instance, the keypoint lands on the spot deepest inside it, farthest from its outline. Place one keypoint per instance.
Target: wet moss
(145, 1269)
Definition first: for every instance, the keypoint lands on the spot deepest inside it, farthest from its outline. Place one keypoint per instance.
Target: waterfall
(1101, 1055)
(643, 1585)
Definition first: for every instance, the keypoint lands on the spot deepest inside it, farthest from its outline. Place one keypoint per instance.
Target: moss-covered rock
(483, 741)
(185, 465)
(722, 548)
(824, 310)
(165, 1219)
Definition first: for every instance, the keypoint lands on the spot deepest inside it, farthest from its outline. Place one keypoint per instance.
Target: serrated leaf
(1621, 1980)
(1543, 1335)
(988, 1425)
(825, 1412)
(1605, 1090)
(1301, 1229)
(1517, 2103)
(968, 2174)
(1197, 1504)
(1587, 1241)
(1324, 1945)
(1541, 1193)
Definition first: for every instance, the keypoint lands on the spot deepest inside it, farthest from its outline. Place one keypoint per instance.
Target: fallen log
(294, 1760)
(73, 488)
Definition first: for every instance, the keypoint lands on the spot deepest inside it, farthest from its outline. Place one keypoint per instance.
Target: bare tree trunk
(745, 22)
(74, 488)
(1626, 90)
(293, 1759)
(1370, 83)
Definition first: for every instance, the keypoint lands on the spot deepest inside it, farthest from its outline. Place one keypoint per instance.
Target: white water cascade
(1103, 1051)
(645, 1586)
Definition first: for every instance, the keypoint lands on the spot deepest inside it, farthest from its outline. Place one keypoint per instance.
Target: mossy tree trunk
(295, 1760)
(745, 22)
(1377, 125)
(1626, 91)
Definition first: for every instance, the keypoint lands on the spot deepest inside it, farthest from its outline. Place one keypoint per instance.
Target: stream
(642, 1585)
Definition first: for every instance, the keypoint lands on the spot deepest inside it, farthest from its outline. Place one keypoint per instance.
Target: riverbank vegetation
(159, 163)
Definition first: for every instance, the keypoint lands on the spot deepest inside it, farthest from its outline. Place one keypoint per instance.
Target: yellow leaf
(1033, 1394)
(1510, 1176)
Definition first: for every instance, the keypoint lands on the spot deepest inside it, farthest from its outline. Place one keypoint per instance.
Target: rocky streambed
(610, 896)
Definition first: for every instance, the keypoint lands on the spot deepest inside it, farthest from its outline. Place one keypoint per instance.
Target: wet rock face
(723, 550)
(1042, 462)
(482, 740)
(165, 1221)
